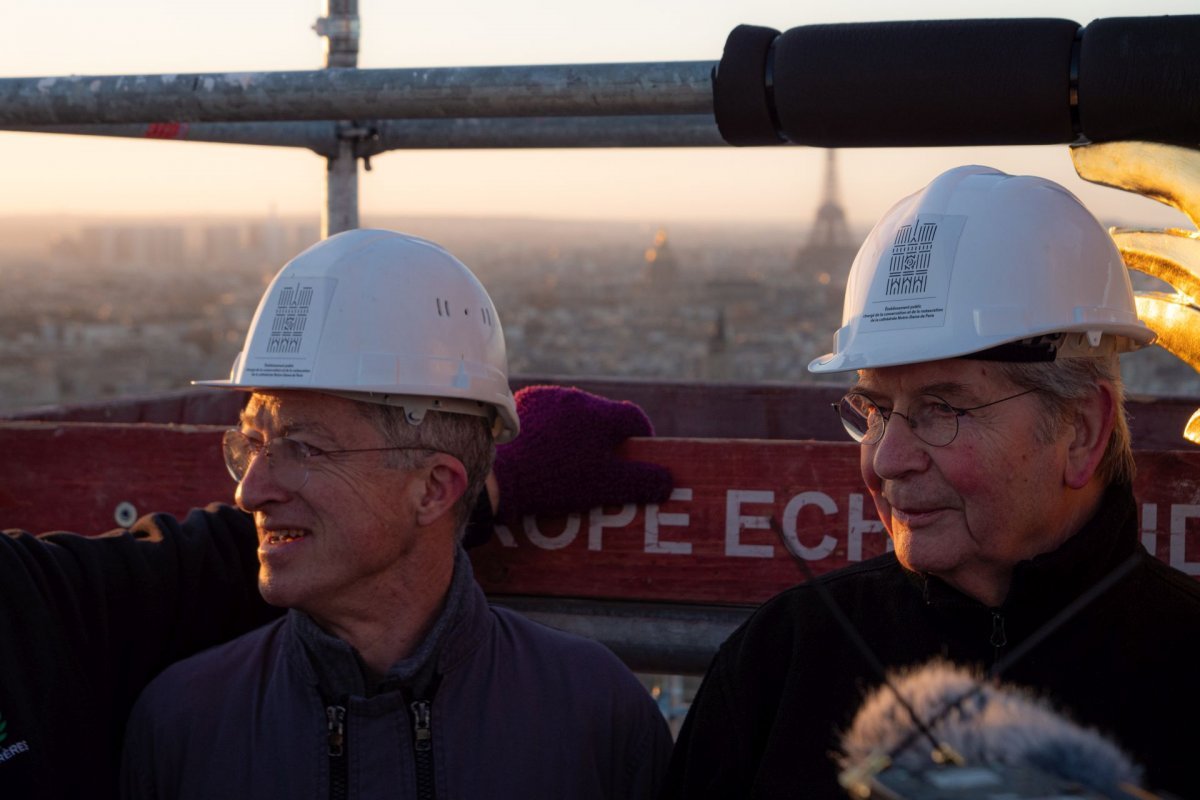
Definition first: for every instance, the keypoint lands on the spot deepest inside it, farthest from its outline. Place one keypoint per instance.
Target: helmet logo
(291, 315)
(908, 272)
(912, 274)
(285, 350)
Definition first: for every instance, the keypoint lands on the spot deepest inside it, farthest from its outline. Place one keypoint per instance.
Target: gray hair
(467, 438)
(1061, 385)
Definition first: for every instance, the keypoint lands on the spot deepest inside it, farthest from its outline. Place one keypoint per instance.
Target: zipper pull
(422, 732)
(336, 715)
(999, 637)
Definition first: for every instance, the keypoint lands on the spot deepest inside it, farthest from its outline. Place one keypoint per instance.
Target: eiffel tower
(830, 248)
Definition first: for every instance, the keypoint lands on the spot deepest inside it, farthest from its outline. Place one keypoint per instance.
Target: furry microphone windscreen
(997, 725)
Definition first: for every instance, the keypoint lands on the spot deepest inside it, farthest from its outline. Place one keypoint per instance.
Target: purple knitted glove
(563, 459)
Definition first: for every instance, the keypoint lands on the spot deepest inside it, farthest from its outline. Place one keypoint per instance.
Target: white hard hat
(979, 259)
(381, 317)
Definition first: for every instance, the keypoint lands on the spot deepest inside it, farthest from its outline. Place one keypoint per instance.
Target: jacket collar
(1099, 547)
(338, 670)
(1050, 580)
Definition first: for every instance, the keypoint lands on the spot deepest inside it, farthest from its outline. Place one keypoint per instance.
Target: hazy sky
(69, 174)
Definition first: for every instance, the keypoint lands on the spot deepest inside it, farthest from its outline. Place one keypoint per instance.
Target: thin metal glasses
(286, 458)
(932, 419)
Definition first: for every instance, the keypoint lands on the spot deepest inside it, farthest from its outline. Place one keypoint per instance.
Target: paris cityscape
(99, 309)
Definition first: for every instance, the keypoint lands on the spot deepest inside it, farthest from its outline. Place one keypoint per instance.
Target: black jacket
(85, 623)
(788, 682)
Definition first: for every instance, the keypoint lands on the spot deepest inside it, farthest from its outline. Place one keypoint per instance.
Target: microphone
(991, 738)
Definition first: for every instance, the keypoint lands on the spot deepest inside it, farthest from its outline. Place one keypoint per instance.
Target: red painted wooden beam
(712, 543)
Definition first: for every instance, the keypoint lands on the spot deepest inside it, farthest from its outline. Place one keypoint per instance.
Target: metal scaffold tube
(341, 192)
(687, 130)
(320, 137)
(339, 29)
(675, 87)
(684, 130)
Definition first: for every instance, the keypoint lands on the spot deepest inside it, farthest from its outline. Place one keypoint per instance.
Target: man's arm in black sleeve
(86, 622)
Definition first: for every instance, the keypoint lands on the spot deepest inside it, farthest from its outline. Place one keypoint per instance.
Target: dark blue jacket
(517, 710)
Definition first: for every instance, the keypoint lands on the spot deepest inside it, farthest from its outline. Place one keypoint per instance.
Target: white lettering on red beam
(737, 520)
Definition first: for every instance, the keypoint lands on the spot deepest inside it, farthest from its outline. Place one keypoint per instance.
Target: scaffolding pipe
(674, 87)
(320, 137)
(689, 130)
(341, 192)
(684, 130)
(339, 28)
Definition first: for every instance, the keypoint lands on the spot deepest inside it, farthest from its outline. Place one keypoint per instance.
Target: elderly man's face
(331, 544)
(966, 512)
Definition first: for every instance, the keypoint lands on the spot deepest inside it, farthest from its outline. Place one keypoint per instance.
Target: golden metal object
(1192, 431)
(1176, 322)
(1172, 256)
(1162, 172)
(1170, 175)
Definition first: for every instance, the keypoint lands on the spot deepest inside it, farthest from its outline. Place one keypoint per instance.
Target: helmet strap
(1052, 346)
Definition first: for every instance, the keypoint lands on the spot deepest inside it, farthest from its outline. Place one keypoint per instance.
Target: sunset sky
(71, 174)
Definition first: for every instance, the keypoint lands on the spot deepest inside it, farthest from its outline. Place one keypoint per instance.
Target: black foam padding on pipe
(926, 83)
(1139, 78)
(741, 97)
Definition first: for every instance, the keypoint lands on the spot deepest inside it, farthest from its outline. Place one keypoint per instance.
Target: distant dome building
(662, 269)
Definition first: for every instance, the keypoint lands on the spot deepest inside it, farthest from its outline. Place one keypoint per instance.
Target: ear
(445, 483)
(1095, 417)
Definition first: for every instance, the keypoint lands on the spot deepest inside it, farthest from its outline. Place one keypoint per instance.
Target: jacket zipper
(999, 637)
(423, 749)
(336, 717)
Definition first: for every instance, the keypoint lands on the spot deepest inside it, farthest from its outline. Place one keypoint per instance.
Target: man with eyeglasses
(378, 380)
(378, 388)
(983, 316)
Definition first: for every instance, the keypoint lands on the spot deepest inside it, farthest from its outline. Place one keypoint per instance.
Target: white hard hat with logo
(381, 317)
(982, 263)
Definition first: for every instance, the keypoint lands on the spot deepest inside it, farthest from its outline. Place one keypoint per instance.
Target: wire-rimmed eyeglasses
(286, 458)
(932, 419)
